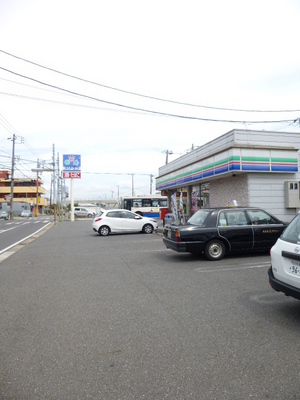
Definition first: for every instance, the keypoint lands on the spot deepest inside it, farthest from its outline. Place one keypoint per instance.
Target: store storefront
(254, 168)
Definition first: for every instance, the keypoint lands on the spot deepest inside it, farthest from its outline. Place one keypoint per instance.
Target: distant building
(26, 192)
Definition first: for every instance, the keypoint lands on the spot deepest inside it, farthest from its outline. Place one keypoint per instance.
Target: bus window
(163, 203)
(147, 203)
(136, 203)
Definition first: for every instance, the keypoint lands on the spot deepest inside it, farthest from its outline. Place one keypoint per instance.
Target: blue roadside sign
(71, 162)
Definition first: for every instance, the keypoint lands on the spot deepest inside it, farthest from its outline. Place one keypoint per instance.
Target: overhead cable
(146, 96)
(145, 110)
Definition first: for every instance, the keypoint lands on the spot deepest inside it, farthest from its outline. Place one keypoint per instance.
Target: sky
(122, 82)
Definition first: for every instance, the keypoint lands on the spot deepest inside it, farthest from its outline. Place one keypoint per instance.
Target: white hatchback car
(284, 274)
(122, 221)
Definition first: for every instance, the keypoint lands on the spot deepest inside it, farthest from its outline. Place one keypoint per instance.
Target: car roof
(117, 209)
(228, 208)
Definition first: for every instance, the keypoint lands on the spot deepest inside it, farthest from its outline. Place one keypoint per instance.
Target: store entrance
(200, 196)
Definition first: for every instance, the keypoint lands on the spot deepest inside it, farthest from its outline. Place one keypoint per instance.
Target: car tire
(215, 250)
(148, 228)
(104, 230)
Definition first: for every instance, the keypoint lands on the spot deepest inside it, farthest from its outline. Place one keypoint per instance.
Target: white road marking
(22, 240)
(268, 298)
(9, 229)
(234, 268)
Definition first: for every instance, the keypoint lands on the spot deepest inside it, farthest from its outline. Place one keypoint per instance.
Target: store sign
(72, 166)
(71, 162)
(72, 175)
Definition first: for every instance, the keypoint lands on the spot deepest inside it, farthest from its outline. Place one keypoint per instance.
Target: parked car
(284, 273)
(83, 212)
(4, 215)
(26, 213)
(122, 221)
(218, 231)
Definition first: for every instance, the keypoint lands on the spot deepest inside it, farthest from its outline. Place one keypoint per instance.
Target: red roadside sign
(72, 175)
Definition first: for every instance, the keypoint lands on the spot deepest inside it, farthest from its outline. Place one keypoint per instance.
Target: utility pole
(37, 170)
(12, 178)
(58, 187)
(167, 154)
(51, 193)
(151, 181)
(37, 188)
(132, 185)
(54, 183)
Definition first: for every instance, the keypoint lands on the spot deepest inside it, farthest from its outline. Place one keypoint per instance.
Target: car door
(266, 228)
(234, 226)
(131, 221)
(115, 221)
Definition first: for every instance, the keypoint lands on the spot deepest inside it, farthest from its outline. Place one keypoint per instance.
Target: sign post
(72, 170)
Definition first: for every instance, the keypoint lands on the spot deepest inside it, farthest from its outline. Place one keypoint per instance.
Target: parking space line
(232, 268)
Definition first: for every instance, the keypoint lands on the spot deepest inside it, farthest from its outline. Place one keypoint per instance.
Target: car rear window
(199, 217)
(292, 232)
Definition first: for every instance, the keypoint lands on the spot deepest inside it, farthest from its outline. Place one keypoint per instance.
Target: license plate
(169, 234)
(295, 268)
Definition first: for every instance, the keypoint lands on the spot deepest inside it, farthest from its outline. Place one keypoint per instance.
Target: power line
(6, 125)
(146, 110)
(67, 103)
(146, 96)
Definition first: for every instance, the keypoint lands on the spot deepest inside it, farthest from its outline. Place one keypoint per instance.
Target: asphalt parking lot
(122, 317)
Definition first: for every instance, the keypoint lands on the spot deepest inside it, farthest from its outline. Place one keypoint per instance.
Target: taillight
(98, 219)
(177, 236)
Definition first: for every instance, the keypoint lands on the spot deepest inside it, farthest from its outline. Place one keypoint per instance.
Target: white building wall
(260, 190)
(223, 191)
(267, 191)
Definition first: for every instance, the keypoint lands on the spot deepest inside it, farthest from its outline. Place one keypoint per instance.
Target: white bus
(147, 205)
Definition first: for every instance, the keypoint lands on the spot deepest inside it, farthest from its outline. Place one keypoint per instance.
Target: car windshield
(292, 232)
(199, 217)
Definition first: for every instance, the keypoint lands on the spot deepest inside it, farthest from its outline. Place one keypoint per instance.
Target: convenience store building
(247, 167)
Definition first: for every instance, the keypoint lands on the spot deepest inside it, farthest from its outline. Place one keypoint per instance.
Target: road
(122, 317)
(18, 229)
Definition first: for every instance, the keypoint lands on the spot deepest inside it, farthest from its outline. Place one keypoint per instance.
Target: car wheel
(104, 230)
(215, 250)
(148, 228)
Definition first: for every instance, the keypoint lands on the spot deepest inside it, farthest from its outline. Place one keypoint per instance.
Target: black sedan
(217, 231)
